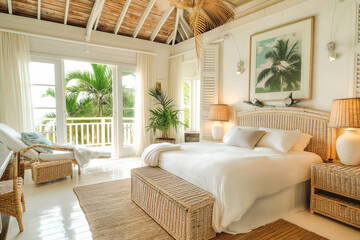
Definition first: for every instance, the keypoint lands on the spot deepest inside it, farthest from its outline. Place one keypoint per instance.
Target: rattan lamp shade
(345, 113)
(219, 112)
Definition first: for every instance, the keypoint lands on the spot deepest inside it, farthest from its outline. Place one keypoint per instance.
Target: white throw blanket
(150, 156)
(83, 155)
(236, 176)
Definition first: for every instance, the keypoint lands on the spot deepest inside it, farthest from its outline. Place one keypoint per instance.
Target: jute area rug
(112, 215)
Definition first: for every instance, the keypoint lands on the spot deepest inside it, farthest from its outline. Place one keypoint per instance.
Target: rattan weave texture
(47, 171)
(182, 209)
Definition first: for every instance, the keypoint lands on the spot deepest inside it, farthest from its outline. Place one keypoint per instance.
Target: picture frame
(159, 84)
(281, 62)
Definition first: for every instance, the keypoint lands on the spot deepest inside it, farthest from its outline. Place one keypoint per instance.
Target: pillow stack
(278, 139)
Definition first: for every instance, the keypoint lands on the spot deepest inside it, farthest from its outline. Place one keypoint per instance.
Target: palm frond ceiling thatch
(206, 15)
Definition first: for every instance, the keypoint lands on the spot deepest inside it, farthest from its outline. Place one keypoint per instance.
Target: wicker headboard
(309, 121)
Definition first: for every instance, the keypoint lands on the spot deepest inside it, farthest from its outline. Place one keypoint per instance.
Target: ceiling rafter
(143, 18)
(161, 22)
(98, 18)
(176, 25)
(170, 38)
(95, 12)
(186, 27)
(9, 3)
(184, 31)
(39, 10)
(122, 15)
(66, 11)
(181, 33)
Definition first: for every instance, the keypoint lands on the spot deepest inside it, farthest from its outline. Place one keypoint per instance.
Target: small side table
(335, 192)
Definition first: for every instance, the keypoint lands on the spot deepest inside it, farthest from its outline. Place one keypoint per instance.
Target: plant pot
(162, 140)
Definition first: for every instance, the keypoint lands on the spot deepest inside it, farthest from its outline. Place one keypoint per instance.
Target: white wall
(331, 80)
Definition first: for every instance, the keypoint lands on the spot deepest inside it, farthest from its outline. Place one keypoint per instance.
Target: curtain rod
(73, 41)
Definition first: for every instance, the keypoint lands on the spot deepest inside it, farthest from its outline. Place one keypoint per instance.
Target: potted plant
(163, 116)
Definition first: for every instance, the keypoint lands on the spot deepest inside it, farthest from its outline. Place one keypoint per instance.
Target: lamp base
(348, 147)
(217, 131)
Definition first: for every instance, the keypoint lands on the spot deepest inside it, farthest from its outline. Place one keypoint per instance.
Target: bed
(254, 187)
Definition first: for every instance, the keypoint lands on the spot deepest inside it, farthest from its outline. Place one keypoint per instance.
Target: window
(192, 104)
(128, 85)
(42, 78)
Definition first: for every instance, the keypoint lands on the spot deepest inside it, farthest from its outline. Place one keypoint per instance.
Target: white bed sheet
(237, 177)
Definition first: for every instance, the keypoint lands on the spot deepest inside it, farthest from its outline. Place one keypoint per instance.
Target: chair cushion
(56, 155)
(12, 140)
(34, 138)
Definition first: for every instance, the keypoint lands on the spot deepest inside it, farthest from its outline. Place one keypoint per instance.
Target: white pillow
(244, 138)
(304, 140)
(233, 130)
(278, 139)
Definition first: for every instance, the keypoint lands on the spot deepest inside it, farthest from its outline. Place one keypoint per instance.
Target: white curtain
(145, 78)
(176, 92)
(15, 98)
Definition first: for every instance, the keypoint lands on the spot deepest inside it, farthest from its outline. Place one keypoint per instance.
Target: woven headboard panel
(309, 121)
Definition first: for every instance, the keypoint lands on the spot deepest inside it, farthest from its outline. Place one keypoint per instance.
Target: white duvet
(237, 177)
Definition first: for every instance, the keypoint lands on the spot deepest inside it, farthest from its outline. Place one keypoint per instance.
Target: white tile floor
(53, 211)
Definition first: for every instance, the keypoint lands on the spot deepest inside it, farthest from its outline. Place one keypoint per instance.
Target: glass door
(46, 90)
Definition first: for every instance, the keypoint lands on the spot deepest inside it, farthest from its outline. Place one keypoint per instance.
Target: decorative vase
(217, 130)
(348, 147)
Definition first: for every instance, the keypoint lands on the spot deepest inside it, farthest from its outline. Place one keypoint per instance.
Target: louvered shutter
(209, 87)
(357, 76)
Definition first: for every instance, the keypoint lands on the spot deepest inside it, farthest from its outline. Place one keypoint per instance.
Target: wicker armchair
(12, 195)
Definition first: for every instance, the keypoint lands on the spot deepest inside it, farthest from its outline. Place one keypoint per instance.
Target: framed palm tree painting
(281, 61)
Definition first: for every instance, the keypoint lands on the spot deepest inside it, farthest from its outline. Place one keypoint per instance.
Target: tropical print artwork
(278, 64)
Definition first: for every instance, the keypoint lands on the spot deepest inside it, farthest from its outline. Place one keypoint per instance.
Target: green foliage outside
(285, 72)
(164, 115)
(89, 93)
(187, 101)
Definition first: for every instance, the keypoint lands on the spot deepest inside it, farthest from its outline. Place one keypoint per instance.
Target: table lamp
(345, 113)
(218, 113)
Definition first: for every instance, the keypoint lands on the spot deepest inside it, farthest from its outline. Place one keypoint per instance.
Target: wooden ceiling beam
(9, 3)
(181, 33)
(66, 11)
(185, 25)
(161, 22)
(39, 10)
(171, 37)
(95, 12)
(98, 18)
(143, 17)
(176, 25)
(122, 15)
(184, 31)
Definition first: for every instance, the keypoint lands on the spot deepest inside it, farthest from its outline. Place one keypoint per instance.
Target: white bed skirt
(271, 208)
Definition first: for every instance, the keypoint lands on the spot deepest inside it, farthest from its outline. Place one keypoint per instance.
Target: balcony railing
(90, 132)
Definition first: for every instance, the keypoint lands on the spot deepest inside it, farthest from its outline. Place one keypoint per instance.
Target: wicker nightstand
(335, 192)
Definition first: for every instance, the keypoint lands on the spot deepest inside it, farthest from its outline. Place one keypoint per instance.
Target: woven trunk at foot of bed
(182, 209)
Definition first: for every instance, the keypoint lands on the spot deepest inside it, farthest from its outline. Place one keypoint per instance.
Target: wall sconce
(240, 67)
(331, 52)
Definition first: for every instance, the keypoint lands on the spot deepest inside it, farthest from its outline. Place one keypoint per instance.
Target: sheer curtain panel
(15, 98)
(145, 79)
(176, 92)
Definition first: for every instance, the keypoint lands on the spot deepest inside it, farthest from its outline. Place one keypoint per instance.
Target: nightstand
(335, 192)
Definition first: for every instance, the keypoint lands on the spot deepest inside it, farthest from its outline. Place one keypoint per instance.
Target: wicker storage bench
(182, 209)
(47, 171)
(335, 192)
